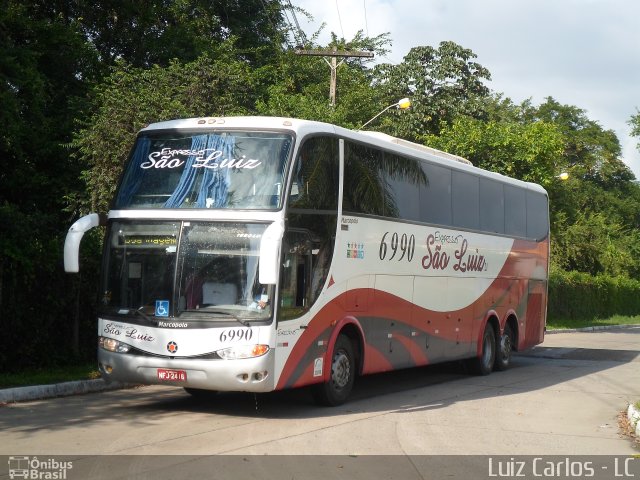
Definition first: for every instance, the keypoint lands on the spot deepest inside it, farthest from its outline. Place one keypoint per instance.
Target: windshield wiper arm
(236, 318)
(138, 311)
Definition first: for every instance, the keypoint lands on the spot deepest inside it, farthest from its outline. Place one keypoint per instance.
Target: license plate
(165, 375)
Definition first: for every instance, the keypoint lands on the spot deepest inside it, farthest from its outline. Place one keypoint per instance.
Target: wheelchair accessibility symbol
(162, 308)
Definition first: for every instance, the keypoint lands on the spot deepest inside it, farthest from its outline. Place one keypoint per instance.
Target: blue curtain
(215, 181)
(133, 177)
(189, 175)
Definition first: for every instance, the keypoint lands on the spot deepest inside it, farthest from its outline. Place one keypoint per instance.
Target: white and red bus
(257, 253)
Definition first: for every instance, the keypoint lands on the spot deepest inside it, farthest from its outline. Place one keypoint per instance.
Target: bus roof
(303, 127)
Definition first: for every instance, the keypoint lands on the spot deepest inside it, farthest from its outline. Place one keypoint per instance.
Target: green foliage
(558, 323)
(444, 83)
(47, 376)
(524, 151)
(299, 85)
(596, 244)
(156, 31)
(634, 122)
(579, 295)
(52, 59)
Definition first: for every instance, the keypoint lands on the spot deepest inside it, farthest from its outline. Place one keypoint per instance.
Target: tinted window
(491, 206)
(537, 215)
(515, 210)
(403, 187)
(381, 183)
(315, 175)
(466, 208)
(435, 195)
(364, 189)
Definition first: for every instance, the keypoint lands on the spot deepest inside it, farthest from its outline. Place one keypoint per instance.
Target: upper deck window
(169, 169)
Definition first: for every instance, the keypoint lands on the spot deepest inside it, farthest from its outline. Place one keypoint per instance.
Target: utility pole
(333, 64)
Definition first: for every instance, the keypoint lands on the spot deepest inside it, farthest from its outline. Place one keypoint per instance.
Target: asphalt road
(561, 398)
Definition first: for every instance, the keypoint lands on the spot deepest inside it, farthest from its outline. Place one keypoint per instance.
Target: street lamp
(403, 104)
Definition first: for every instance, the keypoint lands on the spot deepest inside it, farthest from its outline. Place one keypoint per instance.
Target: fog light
(106, 368)
(259, 376)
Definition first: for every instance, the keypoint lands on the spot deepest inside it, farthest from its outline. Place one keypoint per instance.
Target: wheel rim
(340, 370)
(505, 345)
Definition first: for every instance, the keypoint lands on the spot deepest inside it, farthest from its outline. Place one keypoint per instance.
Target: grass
(48, 376)
(564, 323)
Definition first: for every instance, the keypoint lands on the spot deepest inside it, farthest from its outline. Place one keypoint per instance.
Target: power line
(301, 38)
(340, 19)
(366, 24)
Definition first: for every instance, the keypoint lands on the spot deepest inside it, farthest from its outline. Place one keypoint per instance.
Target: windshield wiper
(224, 312)
(128, 311)
(139, 311)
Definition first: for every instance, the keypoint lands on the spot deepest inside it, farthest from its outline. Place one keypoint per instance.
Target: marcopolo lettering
(173, 324)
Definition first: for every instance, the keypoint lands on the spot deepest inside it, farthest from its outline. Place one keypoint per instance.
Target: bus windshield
(202, 270)
(171, 169)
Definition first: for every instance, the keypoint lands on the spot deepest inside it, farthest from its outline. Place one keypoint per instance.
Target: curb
(76, 387)
(592, 329)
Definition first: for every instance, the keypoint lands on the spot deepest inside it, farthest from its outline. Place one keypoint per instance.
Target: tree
(54, 55)
(634, 122)
(157, 31)
(524, 151)
(590, 151)
(443, 84)
(45, 64)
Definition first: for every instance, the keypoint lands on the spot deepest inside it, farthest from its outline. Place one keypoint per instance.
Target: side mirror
(270, 253)
(74, 236)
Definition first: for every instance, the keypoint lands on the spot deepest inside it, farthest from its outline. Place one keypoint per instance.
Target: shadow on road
(405, 390)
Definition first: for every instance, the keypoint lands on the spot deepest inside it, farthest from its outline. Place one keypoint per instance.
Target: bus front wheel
(337, 389)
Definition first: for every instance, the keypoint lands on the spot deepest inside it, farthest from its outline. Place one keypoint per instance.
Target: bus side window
(315, 175)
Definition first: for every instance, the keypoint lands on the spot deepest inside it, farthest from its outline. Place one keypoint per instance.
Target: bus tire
(343, 368)
(504, 350)
(483, 365)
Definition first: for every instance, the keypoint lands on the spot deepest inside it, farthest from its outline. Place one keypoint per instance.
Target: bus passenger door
(295, 276)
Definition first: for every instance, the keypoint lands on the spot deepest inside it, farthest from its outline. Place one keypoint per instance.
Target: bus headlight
(113, 345)
(244, 351)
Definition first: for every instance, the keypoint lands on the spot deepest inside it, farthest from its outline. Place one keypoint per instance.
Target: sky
(584, 53)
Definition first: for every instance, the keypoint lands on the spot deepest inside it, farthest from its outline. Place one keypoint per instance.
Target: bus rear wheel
(336, 391)
(503, 355)
(483, 365)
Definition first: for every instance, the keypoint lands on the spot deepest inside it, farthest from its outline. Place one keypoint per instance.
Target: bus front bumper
(241, 375)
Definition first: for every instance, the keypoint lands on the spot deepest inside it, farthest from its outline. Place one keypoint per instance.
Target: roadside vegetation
(79, 80)
(572, 323)
(46, 376)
